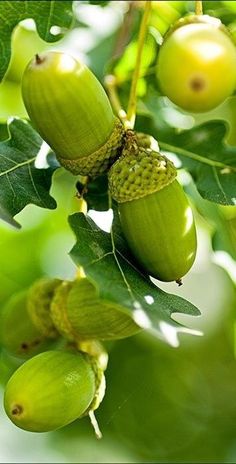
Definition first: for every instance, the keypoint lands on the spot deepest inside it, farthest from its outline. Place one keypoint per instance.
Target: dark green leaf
(21, 182)
(45, 14)
(99, 2)
(107, 261)
(223, 230)
(96, 194)
(209, 160)
(203, 152)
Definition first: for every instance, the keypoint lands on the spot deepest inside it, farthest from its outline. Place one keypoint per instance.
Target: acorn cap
(38, 305)
(100, 160)
(139, 172)
(59, 313)
(200, 19)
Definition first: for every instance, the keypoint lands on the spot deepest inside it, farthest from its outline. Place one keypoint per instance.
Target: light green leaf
(45, 14)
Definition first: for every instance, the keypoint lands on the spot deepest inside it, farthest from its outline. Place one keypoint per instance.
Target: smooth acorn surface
(196, 65)
(155, 215)
(18, 334)
(69, 107)
(79, 313)
(49, 391)
(160, 231)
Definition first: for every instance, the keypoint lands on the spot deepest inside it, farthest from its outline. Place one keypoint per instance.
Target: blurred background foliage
(162, 404)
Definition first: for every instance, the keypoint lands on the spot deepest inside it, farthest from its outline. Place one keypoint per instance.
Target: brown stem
(124, 32)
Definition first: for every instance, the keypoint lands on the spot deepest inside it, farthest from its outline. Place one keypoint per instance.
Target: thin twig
(124, 32)
(110, 83)
(198, 7)
(131, 112)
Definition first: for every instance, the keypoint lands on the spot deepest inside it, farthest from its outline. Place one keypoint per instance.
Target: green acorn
(79, 313)
(50, 391)
(38, 303)
(18, 334)
(71, 111)
(155, 215)
(196, 66)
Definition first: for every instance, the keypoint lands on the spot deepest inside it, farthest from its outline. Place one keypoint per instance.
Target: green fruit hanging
(50, 390)
(196, 65)
(155, 214)
(79, 313)
(18, 334)
(71, 111)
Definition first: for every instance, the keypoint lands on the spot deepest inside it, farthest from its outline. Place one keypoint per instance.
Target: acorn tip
(17, 410)
(38, 59)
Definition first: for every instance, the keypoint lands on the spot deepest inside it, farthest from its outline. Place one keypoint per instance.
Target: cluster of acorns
(62, 321)
(71, 111)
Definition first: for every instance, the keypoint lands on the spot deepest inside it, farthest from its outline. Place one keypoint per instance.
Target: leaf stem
(194, 156)
(198, 7)
(111, 86)
(131, 112)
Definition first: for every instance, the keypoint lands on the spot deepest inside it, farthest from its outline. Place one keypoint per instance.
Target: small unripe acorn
(79, 313)
(18, 335)
(38, 303)
(71, 111)
(155, 215)
(50, 391)
(196, 65)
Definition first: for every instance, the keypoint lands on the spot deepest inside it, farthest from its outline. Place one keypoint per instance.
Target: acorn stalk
(155, 214)
(72, 113)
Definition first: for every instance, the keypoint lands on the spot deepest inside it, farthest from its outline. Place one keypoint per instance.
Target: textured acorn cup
(80, 314)
(155, 215)
(72, 113)
(18, 334)
(49, 391)
(196, 66)
(38, 303)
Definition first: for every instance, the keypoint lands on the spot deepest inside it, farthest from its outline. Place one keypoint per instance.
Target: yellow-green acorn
(50, 390)
(196, 66)
(71, 111)
(18, 334)
(155, 214)
(79, 313)
(38, 303)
